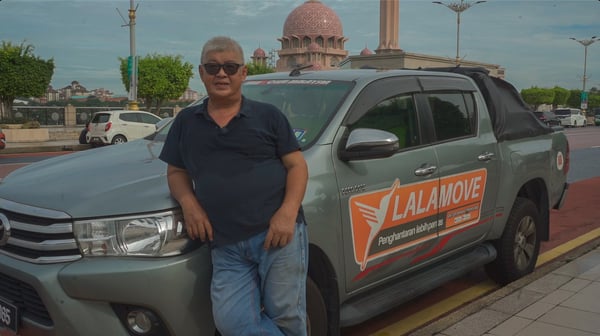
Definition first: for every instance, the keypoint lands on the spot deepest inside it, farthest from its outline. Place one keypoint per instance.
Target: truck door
(387, 216)
(468, 168)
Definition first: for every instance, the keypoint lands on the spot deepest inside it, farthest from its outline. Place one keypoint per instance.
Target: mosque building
(313, 35)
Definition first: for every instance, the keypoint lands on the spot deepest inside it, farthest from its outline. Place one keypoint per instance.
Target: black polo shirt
(238, 175)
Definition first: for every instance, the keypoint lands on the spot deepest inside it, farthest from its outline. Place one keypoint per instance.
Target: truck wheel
(118, 139)
(315, 310)
(519, 245)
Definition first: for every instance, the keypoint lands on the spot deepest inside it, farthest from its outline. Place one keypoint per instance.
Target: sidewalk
(45, 146)
(561, 298)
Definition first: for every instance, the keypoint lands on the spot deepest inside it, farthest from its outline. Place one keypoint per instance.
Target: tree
(160, 78)
(258, 68)
(537, 96)
(560, 96)
(22, 74)
(574, 99)
(593, 101)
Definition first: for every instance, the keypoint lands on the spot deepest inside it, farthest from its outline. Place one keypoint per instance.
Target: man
(235, 167)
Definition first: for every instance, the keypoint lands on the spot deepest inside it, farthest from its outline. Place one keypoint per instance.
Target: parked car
(83, 134)
(163, 122)
(548, 118)
(596, 112)
(2, 139)
(570, 117)
(117, 127)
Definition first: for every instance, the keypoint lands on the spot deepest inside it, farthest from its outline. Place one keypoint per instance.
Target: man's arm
(283, 222)
(196, 220)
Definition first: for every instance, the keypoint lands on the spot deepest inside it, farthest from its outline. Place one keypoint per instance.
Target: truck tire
(519, 245)
(316, 313)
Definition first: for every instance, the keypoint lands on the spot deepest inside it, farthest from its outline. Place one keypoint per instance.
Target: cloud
(529, 38)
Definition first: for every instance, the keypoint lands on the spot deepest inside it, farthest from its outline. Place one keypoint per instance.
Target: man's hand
(196, 221)
(281, 229)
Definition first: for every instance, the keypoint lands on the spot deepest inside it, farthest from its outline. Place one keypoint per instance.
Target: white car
(117, 127)
(570, 117)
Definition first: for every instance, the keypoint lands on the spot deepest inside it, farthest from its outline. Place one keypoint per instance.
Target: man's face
(225, 83)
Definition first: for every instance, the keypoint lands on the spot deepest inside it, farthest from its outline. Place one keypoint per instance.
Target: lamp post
(458, 8)
(132, 60)
(585, 44)
(133, 104)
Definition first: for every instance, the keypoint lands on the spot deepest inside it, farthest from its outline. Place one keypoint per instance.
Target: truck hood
(108, 181)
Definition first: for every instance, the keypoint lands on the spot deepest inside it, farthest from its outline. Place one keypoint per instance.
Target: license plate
(9, 316)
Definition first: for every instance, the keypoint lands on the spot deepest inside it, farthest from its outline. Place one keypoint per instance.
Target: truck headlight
(147, 235)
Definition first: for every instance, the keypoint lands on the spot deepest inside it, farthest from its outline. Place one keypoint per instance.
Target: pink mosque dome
(259, 53)
(366, 51)
(312, 18)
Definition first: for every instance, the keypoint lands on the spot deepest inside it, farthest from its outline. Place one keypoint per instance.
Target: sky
(85, 38)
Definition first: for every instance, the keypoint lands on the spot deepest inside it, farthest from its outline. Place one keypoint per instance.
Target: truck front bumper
(89, 296)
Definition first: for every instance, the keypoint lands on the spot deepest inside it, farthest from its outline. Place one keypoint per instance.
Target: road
(577, 218)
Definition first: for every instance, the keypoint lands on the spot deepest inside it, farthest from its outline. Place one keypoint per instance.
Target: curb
(437, 326)
(43, 148)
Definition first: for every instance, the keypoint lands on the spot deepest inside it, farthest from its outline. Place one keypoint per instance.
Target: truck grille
(26, 298)
(36, 235)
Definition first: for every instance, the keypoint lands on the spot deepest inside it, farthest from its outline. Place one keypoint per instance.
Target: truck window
(396, 115)
(308, 105)
(453, 115)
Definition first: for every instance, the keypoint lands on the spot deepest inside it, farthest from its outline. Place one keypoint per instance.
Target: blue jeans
(260, 292)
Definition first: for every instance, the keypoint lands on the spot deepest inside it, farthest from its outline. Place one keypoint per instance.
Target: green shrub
(31, 124)
(12, 120)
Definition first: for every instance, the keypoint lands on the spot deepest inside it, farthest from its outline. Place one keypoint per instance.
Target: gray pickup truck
(416, 177)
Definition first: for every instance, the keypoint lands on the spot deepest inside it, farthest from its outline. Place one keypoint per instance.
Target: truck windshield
(309, 105)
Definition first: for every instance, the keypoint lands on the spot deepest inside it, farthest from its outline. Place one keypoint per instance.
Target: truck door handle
(487, 156)
(424, 171)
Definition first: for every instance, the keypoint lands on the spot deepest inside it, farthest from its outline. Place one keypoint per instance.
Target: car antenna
(296, 71)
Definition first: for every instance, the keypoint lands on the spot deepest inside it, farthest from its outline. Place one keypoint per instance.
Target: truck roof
(511, 117)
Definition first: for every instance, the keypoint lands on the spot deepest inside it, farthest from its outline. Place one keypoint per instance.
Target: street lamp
(585, 44)
(459, 7)
(132, 60)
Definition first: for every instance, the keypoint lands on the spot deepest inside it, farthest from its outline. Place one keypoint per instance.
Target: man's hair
(220, 44)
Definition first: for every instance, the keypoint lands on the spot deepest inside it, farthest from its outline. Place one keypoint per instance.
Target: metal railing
(45, 115)
(55, 115)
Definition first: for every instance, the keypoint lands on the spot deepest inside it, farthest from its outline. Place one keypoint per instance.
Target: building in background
(259, 57)
(189, 95)
(389, 55)
(312, 35)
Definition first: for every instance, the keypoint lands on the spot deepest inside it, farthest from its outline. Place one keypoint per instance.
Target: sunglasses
(214, 68)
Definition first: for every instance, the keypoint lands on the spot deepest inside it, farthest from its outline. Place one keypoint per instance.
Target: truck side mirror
(367, 143)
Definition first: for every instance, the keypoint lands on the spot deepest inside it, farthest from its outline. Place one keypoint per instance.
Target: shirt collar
(203, 109)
